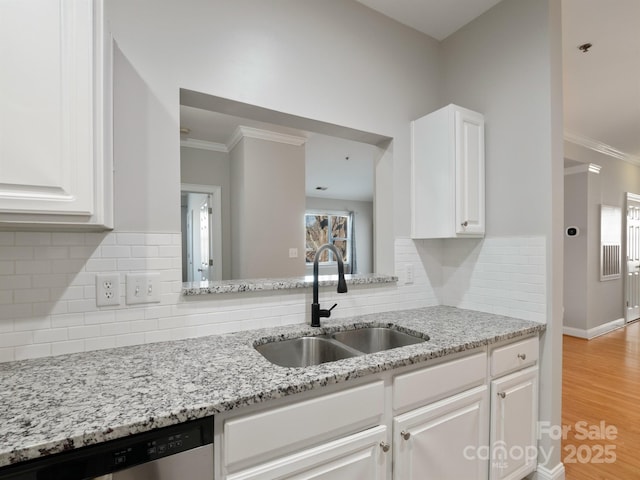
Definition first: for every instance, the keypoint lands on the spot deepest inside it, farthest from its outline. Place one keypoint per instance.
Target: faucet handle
(327, 313)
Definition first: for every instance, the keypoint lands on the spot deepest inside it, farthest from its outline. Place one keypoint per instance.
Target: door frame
(216, 222)
(630, 198)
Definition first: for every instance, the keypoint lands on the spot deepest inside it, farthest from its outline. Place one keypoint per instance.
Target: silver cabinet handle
(502, 394)
(465, 223)
(385, 446)
(406, 435)
(522, 356)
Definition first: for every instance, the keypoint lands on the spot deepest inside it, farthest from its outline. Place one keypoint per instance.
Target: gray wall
(269, 194)
(281, 56)
(576, 190)
(605, 299)
(206, 167)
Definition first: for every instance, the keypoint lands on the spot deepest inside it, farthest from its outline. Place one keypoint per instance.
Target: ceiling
(436, 18)
(601, 87)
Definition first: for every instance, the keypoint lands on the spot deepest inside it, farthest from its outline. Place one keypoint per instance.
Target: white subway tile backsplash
(33, 295)
(23, 352)
(102, 265)
(15, 253)
(50, 335)
(33, 267)
(67, 320)
(14, 339)
(84, 331)
(35, 323)
(100, 343)
(33, 238)
(63, 348)
(47, 289)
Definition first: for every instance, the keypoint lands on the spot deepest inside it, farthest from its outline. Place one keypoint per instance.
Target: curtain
(354, 263)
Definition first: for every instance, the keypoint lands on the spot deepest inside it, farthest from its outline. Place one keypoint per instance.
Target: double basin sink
(314, 350)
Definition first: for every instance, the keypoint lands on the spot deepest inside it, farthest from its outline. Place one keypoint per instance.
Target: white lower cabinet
(359, 456)
(514, 409)
(443, 441)
(472, 418)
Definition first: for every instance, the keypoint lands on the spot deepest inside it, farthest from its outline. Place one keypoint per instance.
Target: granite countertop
(60, 403)
(262, 284)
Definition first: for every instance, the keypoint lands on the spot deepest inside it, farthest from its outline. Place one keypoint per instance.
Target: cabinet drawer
(261, 436)
(514, 356)
(433, 383)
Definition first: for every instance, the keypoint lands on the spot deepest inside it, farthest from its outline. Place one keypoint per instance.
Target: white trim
(595, 331)
(544, 473)
(260, 134)
(600, 147)
(584, 168)
(204, 145)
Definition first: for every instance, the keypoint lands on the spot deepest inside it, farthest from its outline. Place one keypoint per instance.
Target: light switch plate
(408, 277)
(143, 288)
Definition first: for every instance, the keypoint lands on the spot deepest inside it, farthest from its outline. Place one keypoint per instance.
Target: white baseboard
(595, 331)
(544, 473)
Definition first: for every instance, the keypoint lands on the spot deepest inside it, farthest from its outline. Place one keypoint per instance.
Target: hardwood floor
(601, 389)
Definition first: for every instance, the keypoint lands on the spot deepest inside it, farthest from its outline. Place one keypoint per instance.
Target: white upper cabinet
(447, 174)
(55, 115)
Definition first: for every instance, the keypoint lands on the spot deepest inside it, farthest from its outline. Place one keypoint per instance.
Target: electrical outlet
(143, 288)
(107, 289)
(293, 253)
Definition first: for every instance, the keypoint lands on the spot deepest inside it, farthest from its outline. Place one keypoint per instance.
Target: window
(333, 228)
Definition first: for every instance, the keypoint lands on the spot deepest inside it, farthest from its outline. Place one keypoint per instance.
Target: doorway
(201, 233)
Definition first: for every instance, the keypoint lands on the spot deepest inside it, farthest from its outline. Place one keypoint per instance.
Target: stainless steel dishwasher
(178, 452)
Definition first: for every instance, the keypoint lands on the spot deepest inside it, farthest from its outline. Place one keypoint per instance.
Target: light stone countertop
(287, 283)
(61, 403)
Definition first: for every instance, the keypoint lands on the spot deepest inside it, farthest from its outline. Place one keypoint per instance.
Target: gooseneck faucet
(316, 311)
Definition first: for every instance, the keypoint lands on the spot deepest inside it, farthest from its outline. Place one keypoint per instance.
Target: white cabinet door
(514, 415)
(447, 174)
(356, 457)
(54, 113)
(444, 440)
(469, 156)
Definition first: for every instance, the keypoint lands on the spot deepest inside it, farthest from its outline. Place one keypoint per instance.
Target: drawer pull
(385, 446)
(406, 435)
(502, 394)
(522, 356)
(465, 224)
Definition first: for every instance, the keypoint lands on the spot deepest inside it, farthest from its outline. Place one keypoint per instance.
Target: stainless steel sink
(375, 339)
(307, 351)
(304, 351)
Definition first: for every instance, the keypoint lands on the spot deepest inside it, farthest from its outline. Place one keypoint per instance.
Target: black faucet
(316, 311)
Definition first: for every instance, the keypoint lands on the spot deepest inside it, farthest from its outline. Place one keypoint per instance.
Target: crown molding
(204, 145)
(260, 134)
(584, 168)
(600, 147)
